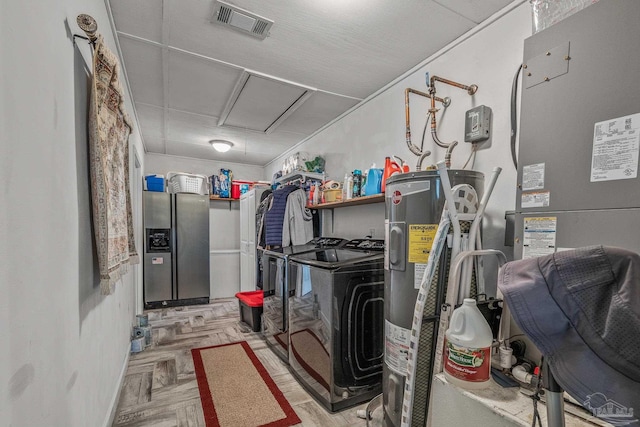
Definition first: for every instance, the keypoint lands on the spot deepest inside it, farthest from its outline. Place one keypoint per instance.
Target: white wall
(224, 217)
(64, 345)
(162, 164)
(487, 56)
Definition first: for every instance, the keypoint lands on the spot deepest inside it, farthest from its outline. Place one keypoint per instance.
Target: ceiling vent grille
(240, 20)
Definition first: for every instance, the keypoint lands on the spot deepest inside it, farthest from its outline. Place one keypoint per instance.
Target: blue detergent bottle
(374, 181)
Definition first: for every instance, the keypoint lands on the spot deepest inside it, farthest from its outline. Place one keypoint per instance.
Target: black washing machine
(336, 322)
(275, 272)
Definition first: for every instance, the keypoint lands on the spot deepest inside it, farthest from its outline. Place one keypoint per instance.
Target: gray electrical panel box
(477, 124)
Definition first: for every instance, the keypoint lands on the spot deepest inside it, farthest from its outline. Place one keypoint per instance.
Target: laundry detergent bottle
(467, 347)
(374, 181)
(390, 168)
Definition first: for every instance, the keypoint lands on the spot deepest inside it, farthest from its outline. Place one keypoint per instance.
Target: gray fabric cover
(581, 308)
(297, 228)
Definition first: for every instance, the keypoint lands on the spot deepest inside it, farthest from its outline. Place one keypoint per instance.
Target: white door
(247, 241)
(251, 241)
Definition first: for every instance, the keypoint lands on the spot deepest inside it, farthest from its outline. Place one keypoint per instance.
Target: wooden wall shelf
(223, 199)
(366, 200)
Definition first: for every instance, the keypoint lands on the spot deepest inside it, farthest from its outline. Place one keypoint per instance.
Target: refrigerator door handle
(174, 245)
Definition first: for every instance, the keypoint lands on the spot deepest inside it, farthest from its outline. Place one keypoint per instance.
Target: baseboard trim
(111, 416)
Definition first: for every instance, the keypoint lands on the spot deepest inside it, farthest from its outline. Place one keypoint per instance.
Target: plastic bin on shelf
(251, 308)
(181, 182)
(155, 183)
(239, 187)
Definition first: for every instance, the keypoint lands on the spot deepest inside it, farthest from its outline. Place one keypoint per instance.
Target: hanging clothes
(265, 203)
(298, 220)
(275, 215)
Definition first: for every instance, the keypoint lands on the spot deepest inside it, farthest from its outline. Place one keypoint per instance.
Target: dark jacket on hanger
(275, 215)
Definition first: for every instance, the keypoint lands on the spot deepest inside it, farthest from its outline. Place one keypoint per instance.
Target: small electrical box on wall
(477, 124)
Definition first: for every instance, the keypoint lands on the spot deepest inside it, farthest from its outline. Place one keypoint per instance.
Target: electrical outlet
(372, 232)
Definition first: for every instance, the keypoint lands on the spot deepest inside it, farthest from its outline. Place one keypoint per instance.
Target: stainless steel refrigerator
(176, 253)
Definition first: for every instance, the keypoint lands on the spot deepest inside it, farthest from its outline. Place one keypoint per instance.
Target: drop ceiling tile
(187, 127)
(143, 63)
(140, 18)
(208, 153)
(316, 111)
(198, 85)
(476, 11)
(273, 144)
(346, 49)
(154, 145)
(261, 102)
(151, 120)
(199, 13)
(197, 129)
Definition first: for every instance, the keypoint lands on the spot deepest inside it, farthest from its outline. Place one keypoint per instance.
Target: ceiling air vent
(240, 20)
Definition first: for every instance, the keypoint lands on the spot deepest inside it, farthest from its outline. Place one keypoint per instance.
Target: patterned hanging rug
(109, 129)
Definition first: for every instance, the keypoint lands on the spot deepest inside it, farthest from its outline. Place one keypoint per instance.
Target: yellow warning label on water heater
(420, 241)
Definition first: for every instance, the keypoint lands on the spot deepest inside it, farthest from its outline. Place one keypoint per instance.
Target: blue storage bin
(155, 183)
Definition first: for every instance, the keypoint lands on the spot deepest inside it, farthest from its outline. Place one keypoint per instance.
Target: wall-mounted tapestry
(109, 129)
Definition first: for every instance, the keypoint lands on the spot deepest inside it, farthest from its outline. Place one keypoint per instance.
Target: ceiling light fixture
(221, 145)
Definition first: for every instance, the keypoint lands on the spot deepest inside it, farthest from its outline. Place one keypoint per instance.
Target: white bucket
(467, 348)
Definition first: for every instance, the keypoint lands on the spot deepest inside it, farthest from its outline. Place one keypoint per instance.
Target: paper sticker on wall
(420, 241)
(539, 236)
(616, 144)
(535, 199)
(533, 177)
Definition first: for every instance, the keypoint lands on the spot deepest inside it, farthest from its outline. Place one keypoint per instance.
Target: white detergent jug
(467, 347)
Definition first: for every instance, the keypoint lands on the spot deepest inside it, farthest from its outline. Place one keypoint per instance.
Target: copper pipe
(415, 150)
(426, 95)
(433, 110)
(470, 89)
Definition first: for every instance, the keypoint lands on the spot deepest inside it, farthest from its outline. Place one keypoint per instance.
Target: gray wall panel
(613, 227)
(558, 116)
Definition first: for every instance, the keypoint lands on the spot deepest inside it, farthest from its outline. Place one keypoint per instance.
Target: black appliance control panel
(158, 240)
(365, 245)
(328, 242)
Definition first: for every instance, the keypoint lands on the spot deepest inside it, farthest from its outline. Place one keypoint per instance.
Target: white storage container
(181, 182)
(467, 348)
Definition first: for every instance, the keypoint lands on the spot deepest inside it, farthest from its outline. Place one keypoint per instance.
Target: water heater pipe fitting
(521, 374)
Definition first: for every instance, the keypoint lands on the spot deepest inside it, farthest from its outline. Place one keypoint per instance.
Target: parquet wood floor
(160, 387)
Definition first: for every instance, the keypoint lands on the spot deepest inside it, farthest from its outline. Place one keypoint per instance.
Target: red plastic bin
(236, 188)
(251, 308)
